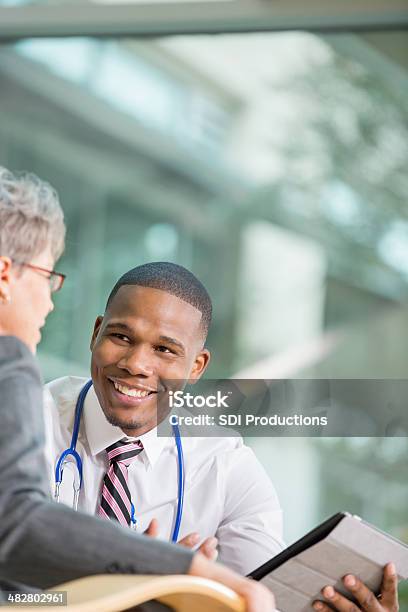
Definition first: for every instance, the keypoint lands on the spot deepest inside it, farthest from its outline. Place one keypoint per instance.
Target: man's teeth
(132, 392)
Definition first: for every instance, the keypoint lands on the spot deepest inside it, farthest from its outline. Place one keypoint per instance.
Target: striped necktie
(116, 500)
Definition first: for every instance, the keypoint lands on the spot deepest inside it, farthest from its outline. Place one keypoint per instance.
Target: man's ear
(96, 329)
(5, 269)
(200, 365)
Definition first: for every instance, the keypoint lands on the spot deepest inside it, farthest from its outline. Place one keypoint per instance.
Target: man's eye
(120, 337)
(163, 349)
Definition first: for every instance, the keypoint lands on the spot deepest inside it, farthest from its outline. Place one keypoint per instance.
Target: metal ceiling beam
(202, 17)
(390, 62)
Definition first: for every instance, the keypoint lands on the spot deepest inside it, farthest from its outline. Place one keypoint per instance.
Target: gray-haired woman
(32, 233)
(42, 543)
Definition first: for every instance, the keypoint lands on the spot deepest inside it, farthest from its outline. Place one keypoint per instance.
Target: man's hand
(208, 548)
(386, 602)
(153, 529)
(257, 597)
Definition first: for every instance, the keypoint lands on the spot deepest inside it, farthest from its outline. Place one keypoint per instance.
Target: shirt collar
(100, 433)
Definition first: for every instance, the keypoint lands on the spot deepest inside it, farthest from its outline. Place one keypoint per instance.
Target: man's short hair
(173, 279)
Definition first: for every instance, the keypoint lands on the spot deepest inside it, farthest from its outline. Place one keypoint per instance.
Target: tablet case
(343, 544)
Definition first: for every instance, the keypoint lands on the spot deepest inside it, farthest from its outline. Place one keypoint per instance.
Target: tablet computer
(343, 544)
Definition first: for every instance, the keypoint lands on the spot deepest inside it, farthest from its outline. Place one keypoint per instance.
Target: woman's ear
(5, 269)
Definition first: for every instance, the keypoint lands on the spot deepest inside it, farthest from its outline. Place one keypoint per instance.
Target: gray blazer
(43, 543)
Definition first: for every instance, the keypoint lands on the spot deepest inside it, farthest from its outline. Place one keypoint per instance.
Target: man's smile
(129, 394)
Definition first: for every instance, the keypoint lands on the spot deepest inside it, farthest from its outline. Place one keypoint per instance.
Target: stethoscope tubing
(72, 452)
(181, 483)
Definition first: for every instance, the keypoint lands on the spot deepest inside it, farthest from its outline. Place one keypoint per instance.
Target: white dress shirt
(227, 492)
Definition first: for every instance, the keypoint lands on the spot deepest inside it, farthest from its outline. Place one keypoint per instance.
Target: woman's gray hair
(31, 217)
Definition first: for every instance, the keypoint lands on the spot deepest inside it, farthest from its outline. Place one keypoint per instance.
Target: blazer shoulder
(16, 360)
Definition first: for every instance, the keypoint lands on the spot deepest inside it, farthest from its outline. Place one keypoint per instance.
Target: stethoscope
(72, 452)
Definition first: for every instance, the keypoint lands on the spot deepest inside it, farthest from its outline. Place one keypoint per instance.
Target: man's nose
(137, 361)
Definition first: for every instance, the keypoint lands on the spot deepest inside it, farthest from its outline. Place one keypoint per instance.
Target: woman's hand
(256, 596)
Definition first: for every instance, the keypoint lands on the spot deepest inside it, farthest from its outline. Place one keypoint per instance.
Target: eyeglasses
(56, 278)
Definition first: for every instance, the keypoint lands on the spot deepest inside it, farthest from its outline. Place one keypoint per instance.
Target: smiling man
(154, 330)
(175, 332)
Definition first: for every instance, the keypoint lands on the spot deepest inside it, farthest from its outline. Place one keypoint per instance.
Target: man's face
(146, 338)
